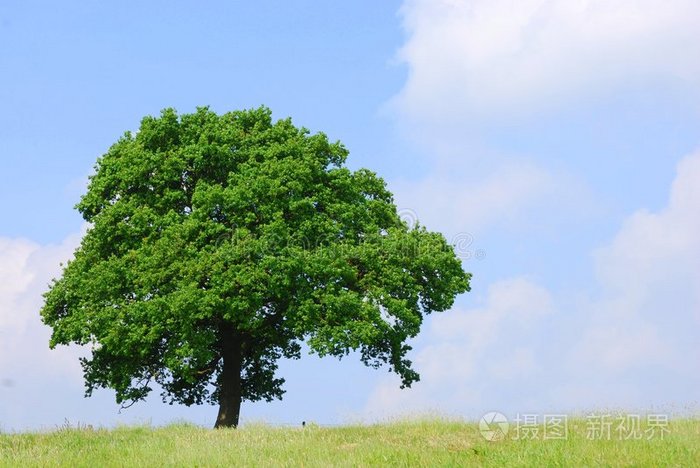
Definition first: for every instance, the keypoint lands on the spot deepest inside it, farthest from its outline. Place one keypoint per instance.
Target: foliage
(230, 237)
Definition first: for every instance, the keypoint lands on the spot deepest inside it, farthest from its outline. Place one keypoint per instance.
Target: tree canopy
(218, 244)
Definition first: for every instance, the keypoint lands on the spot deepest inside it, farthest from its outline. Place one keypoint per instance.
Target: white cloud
(502, 57)
(513, 195)
(519, 363)
(649, 276)
(651, 246)
(14, 278)
(26, 268)
(462, 204)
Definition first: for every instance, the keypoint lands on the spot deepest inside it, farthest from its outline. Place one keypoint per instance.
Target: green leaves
(208, 230)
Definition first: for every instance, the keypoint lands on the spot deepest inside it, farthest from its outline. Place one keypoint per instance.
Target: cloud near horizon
(649, 278)
(26, 269)
(630, 343)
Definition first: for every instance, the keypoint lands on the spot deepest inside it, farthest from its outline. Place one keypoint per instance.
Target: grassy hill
(411, 443)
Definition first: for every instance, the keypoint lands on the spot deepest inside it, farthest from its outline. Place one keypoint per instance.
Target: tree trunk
(230, 380)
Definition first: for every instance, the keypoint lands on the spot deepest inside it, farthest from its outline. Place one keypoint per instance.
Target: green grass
(410, 443)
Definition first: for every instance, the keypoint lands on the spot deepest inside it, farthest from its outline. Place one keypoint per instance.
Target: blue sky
(558, 140)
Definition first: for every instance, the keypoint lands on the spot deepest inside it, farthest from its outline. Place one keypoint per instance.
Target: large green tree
(219, 243)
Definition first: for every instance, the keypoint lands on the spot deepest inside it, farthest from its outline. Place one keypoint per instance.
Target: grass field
(411, 443)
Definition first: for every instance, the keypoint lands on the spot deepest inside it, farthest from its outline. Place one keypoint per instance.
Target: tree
(218, 244)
